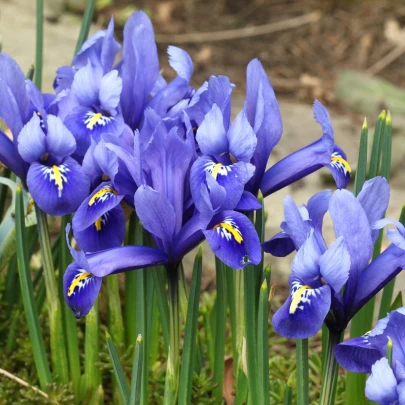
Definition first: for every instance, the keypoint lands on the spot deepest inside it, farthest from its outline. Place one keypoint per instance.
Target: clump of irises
(143, 171)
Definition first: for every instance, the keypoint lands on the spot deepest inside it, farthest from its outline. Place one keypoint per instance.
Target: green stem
(330, 374)
(172, 373)
(86, 22)
(39, 43)
(302, 372)
(58, 349)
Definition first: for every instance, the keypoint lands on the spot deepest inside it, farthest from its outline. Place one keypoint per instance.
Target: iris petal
(59, 189)
(233, 238)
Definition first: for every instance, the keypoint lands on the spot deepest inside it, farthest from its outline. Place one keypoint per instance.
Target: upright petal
(58, 189)
(156, 213)
(305, 265)
(304, 312)
(86, 84)
(233, 238)
(59, 140)
(317, 207)
(9, 111)
(110, 91)
(31, 141)
(181, 62)
(381, 386)
(321, 116)
(242, 139)
(334, 265)
(211, 135)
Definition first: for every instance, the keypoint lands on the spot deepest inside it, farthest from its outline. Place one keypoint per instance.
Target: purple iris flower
(305, 161)
(320, 273)
(82, 279)
(366, 354)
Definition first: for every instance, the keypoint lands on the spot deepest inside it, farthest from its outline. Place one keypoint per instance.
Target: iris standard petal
(181, 62)
(280, 245)
(58, 189)
(233, 238)
(10, 157)
(334, 265)
(317, 207)
(211, 135)
(351, 222)
(304, 312)
(374, 198)
(80, 289)
(101, 200)
(242, 139)
(86, 124)
(86, 84)
(396, 236)
(155, 212)
(321, 116)
(359, 354)
(59, 140)
(107, 232)
(31, 141)
(110, 91)
(381, 386)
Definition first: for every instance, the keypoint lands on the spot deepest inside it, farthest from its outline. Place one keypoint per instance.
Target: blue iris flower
(366, 354)
(331, 284)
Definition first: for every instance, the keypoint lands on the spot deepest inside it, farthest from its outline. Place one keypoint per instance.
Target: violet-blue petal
(359, 354)
(64, 78)
(321, 116)
(9, 111)
(294, 225)
(280, 245)
(59, 140)
(381, 386)
(124, 258)
(242, 139)
(248, 202)
(396, 236)
(155, 212)
(334, 265)
(10, 157)
(351, 222)
(110, 91)
(317, 207)
(233, 239)
(31, 141)
(86, 84)
(211, 198)
(304, 312)
(101, 200)
(181, 62)
(305, 265)
(339, 168)
(80, 288)
(374, 198)
(211, 135)
(378, 274)
(36, 98)
(107, 232)
(59, 189)
(140, 67)
(106, 159)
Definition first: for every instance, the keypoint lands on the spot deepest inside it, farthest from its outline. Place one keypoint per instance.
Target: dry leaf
(229, 382)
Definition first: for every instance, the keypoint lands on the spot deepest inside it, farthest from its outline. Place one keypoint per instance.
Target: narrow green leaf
(289, 391)
(302, 372)
(136, 382)
(241, 388)
(362, 160)
(3, 192)
(27, 293)
(220, 325)
(260, 223)
(39, 43)
(263, 345)
(92, 374)
(86, 23)
(118, 371)
(30, 74)
(230, 288)
(397, 303)
(376, 150)
(387, 148)
(190, 335)
(250, 332)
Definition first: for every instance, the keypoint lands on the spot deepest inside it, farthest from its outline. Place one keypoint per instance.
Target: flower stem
(302, 372)
(39, 43)
(330, 372)
(172, 374)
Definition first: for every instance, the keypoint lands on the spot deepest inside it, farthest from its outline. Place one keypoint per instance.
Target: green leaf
(86, 23)
(27, 293)
(118, 371)
(398, 303)
(362, 160)
(190, 335)
(302, 372)
(289, 391)
(376, 150)
(136, 382)
(39, 43)
(263, 345)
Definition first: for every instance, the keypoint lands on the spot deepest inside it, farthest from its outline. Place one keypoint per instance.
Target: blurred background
(350, 54)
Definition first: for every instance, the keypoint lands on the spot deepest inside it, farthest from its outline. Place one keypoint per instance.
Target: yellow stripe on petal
(216, 170)
(98, 224)
(342, 161)
(232, 230)
(93, 120)
(77, 281)
(298, 297)
(100, 194)
(58, 179)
